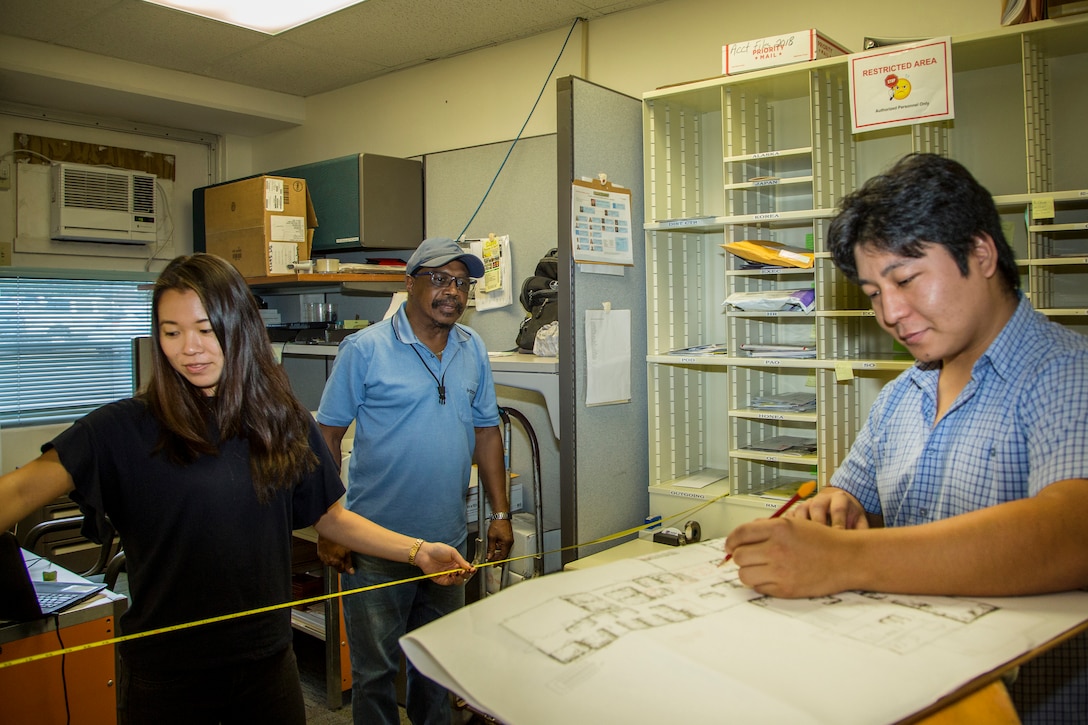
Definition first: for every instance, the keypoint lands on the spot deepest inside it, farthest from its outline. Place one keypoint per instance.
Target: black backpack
(540, 298)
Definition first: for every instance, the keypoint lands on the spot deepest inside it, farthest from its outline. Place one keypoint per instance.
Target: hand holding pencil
(803, 491)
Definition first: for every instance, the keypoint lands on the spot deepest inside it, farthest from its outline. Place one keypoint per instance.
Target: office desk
(35, 692)
(984, 701)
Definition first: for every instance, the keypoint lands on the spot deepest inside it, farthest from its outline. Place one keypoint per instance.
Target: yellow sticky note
(1042, 208)
(843, 371)
(1008, 228)
(492, 264)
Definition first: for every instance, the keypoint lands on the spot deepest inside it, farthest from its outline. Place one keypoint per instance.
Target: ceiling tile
(161, 37)
(47, 20)
(352, 45)
(290, 68)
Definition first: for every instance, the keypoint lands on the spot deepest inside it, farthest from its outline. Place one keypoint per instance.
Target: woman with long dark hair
(204, 476)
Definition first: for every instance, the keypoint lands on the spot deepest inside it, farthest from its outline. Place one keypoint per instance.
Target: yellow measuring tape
(333, 595)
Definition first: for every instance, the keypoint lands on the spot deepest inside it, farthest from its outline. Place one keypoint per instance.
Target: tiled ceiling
(361, 42)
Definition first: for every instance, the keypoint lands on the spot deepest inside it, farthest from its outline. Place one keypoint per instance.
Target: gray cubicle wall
(596, 474)
(521, 204)
(603, 450)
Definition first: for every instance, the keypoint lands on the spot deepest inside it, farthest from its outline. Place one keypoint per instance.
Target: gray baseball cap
(440, 251)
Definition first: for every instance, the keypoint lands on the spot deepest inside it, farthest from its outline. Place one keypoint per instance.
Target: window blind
(66, 346)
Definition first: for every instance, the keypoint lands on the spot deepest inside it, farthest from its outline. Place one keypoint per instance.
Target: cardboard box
(261, 224)
(749, 55)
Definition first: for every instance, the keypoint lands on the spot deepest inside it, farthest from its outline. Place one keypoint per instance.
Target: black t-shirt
(198, 543)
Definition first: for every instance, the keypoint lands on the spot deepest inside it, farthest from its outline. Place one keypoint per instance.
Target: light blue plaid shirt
(1020, 424)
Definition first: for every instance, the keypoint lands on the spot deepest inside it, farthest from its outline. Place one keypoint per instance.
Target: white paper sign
(280, 255)
(608, 356)
(273, 195)
(287, 228)
(902, 84)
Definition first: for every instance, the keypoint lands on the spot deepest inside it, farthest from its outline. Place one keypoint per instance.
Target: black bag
(540, 298)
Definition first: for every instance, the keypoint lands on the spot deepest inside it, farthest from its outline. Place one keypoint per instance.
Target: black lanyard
(441, 382)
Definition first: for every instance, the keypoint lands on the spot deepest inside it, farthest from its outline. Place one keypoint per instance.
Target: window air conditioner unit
(102, 204)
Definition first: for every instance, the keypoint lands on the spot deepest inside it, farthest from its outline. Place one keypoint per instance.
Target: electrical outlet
(5, 175)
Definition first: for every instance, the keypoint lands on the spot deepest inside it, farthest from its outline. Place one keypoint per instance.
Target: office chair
(75, 523)
(114, 571)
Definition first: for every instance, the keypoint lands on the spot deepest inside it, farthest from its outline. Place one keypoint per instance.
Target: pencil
(803, 491)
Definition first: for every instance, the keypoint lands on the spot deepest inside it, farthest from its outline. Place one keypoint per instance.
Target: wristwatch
(500, 516)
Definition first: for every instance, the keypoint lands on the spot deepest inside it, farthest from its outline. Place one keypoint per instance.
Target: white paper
(615, 270)
(698, 480)
(608, 356)
(273, 194)
(504, 295)
(287, 228)
(395, 303)
(901, 84)
(641, 640)
(280, 256)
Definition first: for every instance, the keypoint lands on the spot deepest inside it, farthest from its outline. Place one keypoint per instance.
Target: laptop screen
(22, 599)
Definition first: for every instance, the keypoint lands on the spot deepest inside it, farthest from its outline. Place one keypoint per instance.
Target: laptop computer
(22, 599)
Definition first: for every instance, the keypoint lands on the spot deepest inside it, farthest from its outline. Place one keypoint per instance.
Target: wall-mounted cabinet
(362, 202)
(768, 155)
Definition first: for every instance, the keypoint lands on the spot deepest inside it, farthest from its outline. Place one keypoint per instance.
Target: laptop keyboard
(47, 601)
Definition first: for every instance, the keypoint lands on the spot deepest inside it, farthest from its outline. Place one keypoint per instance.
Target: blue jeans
(375, 620)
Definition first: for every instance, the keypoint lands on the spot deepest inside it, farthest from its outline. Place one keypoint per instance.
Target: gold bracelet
(413, 551)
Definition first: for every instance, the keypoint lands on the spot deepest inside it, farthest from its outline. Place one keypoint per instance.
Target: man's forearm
(1030, 546)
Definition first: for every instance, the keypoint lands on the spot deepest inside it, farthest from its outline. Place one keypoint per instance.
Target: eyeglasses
(442, 280)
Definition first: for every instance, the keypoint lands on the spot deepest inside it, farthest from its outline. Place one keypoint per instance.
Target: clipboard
(601, 230)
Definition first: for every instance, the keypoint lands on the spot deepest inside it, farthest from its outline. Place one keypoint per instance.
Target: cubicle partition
(594, 465)
(603, 452)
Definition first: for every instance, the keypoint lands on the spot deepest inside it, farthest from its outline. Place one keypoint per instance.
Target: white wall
(484, 97)
(21, 445)
(24, 208)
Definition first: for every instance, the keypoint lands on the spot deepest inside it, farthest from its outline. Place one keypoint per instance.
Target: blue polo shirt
(412, 454)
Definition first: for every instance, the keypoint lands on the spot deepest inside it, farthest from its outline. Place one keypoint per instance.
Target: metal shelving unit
(768, 155)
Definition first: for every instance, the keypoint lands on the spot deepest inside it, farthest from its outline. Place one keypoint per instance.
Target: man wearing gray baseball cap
(440, 251)
(418, 386)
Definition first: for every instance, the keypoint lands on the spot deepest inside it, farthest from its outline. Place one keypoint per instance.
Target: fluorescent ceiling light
(265, 16)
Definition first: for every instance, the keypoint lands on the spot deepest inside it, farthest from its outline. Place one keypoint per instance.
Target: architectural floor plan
(571, 626)
(639, 638)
